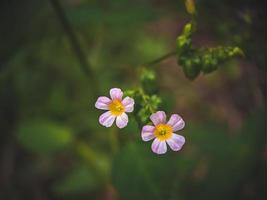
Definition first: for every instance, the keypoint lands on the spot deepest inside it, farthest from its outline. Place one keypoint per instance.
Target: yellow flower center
(116, 107)
(163, 131)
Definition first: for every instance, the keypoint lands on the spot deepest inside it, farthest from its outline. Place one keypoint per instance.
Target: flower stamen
(163, 131)
(116, 107)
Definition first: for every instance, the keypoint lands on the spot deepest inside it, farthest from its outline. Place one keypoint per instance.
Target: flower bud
(191, 71)
(190, 6)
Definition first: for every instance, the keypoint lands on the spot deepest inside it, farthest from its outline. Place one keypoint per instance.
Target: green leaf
(43, 137)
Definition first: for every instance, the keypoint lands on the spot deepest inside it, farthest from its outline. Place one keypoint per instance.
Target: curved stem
(75, 44)
(158, 60)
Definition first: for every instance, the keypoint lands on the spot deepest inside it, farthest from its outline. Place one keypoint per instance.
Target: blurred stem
(90, 157)
(146, 174)
(114, 142)
(158, 60)
(73, 39)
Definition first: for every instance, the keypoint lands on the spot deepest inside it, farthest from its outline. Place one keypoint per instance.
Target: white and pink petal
(147, 133)
(176, 122)
(159, 147)
(102, 103)
(107, 119)
(122, 120)
(158, 118)
(116, 93)
(128, 104)
(176, 142)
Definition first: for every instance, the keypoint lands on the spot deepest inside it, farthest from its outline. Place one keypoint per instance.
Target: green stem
(114, 140)
(158, 60)
(75, 44)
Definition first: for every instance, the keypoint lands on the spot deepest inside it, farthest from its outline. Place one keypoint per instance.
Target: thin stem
(158, 60)
(74, 42)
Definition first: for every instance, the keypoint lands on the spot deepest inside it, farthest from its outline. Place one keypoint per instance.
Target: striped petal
(158, 118)
(122, 120)
(147, 133)
(128, 104)
(176, 142)
(176, 122)
(102, 103)
(107, 119)
(116, 93)
(159, 147)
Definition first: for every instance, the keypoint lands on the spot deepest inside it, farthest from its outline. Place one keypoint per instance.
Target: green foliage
(148, 105)
(117, 14)
(151, 176)
(148, 80)
(146, 100)
(195, 60)
(99, 162)
(42, 79)
(44, 137)
(211, 160)
(145, 104)
(80, 180)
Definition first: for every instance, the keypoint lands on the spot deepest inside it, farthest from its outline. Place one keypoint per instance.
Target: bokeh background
(56, 57)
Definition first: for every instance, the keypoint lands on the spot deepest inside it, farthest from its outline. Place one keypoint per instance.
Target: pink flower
(117, 108)
(163, 132)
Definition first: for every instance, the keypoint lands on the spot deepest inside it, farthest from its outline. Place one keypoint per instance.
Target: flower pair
(161, 131)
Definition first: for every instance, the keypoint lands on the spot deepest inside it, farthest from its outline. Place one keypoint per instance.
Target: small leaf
(44, 137)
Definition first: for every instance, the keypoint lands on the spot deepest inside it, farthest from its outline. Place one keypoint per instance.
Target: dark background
(56, 57)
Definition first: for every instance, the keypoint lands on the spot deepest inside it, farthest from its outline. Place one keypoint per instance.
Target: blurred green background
(56, 57)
